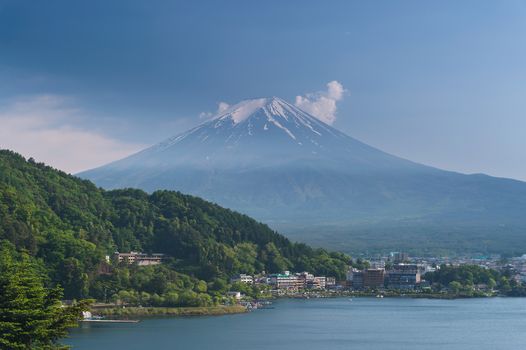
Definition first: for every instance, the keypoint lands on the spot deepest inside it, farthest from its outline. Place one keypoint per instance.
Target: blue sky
(442, 83)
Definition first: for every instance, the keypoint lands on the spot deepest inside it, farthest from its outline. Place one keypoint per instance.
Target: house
(137, 258)
(235, 295)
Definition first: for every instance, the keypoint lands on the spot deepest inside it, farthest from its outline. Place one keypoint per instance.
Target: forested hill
(69, 225)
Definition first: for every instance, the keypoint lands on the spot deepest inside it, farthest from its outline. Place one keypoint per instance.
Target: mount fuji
(271, 160)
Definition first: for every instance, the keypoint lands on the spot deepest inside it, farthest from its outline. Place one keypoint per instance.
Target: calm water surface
(363, 323)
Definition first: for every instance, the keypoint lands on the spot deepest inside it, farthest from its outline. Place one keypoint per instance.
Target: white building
(243, 278)
(287, 281)
(235, 295)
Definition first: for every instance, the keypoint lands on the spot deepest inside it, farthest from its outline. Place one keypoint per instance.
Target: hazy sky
(439, 82)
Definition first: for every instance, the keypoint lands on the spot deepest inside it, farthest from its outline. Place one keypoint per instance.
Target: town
(396, 272)
(392, 274)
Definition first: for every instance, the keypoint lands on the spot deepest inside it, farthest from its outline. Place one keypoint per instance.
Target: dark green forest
(67, 226)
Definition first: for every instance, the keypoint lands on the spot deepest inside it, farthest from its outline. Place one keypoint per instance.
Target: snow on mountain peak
(272, 116)
(242, 110)
(266, 113)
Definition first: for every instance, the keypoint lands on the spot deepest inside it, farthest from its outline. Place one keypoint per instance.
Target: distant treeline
(464, 279)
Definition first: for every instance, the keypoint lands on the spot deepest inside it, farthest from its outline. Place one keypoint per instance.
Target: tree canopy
(31, 314)
(67, 225)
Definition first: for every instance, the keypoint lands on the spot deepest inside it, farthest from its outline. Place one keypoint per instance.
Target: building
(349, 274)
(316, 283)
(299, 281)
(136, 258)
(242, 278)
(235, 295)
(373, 278)
(403, 276)
(330, 282)
(356, 279)
(378, 264)
(399, 257)
(287, 281)
(104, 269)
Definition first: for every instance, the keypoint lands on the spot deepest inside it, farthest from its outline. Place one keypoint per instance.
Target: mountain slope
(259, 153)
(267, 158)
(68, 225)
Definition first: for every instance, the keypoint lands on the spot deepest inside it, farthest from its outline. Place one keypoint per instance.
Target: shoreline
(136, 311)
(120, 312)
(388, 294)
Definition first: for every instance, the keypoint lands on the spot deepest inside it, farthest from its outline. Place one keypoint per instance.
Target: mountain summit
(251, 129)
(259, 156)
(256, 132)
(267, 158)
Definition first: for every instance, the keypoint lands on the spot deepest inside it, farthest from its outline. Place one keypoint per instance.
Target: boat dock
(88, 317)
(103, 320)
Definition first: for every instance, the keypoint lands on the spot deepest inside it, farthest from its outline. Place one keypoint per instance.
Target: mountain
(68, 225)
(269, 159)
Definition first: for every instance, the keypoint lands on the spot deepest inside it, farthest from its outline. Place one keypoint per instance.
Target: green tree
(274, 260)
(171, 299)
(74, 280)
(247, 255)
(455, 287)
(31, 316)
(492, 283)
(504, 284)
(200, 287)
(218, 285)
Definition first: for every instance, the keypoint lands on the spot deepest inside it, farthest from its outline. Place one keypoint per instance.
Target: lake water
(360, 323)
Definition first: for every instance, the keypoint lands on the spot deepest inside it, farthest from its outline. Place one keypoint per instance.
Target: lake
(360, 323)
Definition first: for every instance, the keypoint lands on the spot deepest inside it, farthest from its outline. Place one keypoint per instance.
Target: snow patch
(243, 110)
(275, 122)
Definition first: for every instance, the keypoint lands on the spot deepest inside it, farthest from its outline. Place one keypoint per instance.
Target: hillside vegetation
(68, 225)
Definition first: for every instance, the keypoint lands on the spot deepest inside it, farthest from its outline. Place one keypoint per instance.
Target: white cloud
(206, 115)
(221, 107)
(322, 104)
(42, 127)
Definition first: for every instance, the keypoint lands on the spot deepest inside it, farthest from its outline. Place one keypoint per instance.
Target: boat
(88, 317)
